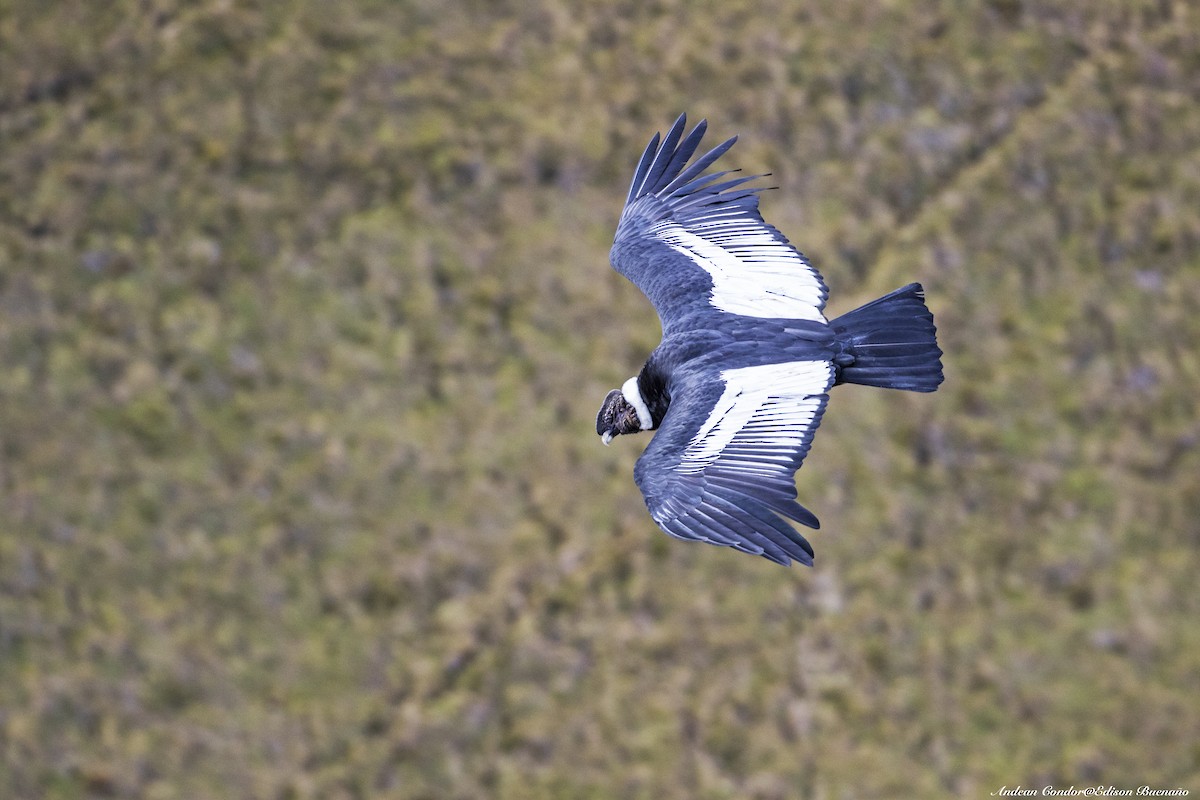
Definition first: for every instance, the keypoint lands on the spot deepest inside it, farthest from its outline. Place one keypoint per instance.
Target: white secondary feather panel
(765, 414)
(754, 273)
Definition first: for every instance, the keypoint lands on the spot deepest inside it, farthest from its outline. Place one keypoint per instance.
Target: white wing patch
(753, 273)
(762, 418)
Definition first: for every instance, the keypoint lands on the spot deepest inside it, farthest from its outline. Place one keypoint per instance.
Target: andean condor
(738, 385)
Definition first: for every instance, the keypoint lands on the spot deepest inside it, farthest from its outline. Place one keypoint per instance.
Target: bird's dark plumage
(738, 385)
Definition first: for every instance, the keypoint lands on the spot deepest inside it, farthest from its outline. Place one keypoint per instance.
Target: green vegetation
(305, 314)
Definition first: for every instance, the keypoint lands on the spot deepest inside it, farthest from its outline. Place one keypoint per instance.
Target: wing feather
(678, 186)
(697, 245)
(665, 156)
(730, 479)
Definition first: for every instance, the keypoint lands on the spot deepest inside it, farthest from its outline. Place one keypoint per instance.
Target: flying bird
(736, 389)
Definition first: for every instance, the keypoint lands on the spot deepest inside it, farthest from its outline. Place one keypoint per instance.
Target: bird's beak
(607, 438)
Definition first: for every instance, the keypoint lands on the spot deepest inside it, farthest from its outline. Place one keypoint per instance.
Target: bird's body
(738, 385)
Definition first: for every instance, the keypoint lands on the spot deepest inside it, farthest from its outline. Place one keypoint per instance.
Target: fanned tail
(891, 343)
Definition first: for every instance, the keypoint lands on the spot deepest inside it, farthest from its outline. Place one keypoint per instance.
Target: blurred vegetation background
(305, 314)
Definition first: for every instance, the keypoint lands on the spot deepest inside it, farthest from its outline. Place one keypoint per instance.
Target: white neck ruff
(634, 397)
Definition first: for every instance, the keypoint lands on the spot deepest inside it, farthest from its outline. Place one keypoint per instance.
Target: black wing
(721, 469)
(696, 244)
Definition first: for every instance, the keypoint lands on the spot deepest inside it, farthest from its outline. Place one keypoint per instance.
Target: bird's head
(617, 415)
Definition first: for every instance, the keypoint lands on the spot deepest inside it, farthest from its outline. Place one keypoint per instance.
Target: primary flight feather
(737, 387)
